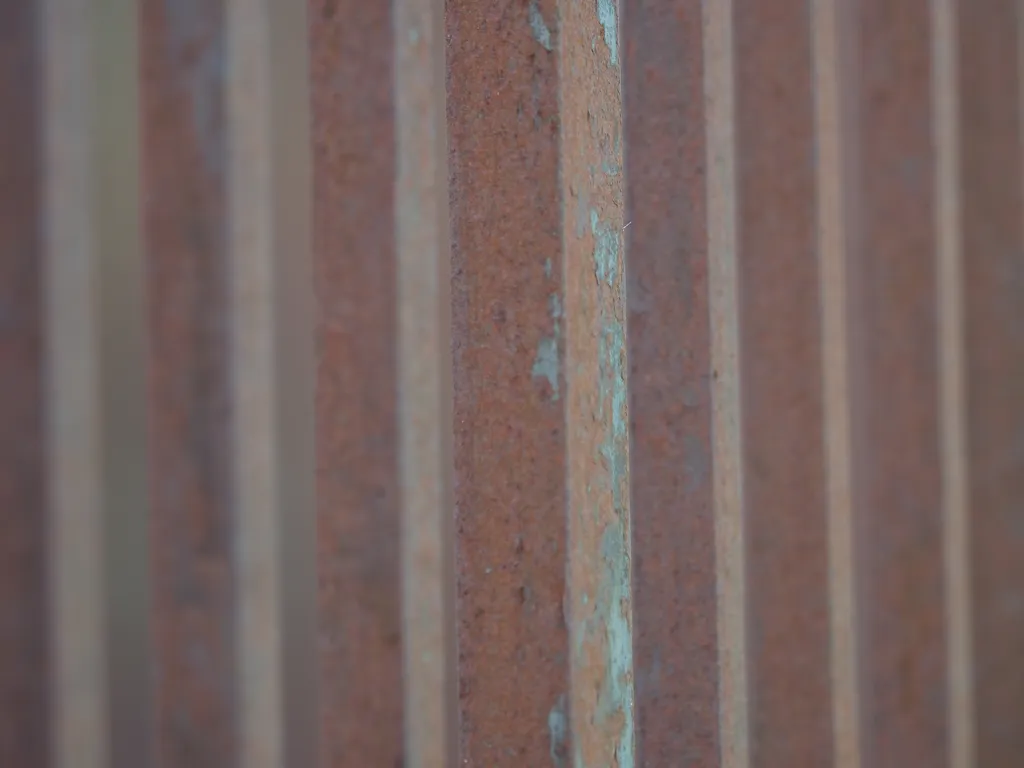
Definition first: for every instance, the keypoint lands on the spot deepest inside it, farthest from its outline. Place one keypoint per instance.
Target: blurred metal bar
(26, 663)
(781, 366)
(97, 370)
(726, 425)
(952, 382)
(894, 393)
(988, 77)
(424, 370)
(674, 580)
(383, 384)
(80, 640)
(831, 49)
(358, 485)
(185, 176)
(272, 383)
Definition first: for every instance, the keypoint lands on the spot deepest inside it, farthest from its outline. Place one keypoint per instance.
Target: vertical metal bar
(992, 335)
(829, 22)
(294, 360)
(272, 388)
(894, 387)
(26, 664)
(600, 595)
(424, 384)
(121, 316)
(81, 717)
(671, 471)
(782, 409)
(358, 549)
(509, 309)
(185, 223)
(730, 546)
(952, 381)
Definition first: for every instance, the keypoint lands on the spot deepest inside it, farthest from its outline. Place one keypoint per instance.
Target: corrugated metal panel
(646, 373)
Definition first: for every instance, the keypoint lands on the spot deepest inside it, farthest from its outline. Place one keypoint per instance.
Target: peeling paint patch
(540, 30)
(608, 16)
(606, 249)
(546, 363)
(558, 732)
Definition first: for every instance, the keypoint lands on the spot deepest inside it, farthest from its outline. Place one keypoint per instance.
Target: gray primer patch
(558, 731)
(540, 30)
(606, 14)
(545, 362)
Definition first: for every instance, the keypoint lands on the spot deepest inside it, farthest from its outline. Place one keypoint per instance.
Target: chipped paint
(607, 14)
(546, 361)
(606, 249)
(558, 732)
(539, 27)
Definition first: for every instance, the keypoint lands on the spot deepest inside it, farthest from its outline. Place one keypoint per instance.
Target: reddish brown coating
(674, 619)
(894, 396)
(24, 665)
(357, 453)
(781, 368)
(509, 384)
(185, 229)
(993, 281)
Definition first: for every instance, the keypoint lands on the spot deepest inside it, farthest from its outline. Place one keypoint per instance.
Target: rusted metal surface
(509, 374)
(781, 368)
(359, 554)
(425, 386)
(674, 608)
(383, 383)
(894, 391)
(695, 441)
(600, 613)
(185, 168)
(24, 659)
(990, 93)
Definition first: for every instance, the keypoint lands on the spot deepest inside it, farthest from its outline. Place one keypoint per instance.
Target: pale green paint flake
(607, 14)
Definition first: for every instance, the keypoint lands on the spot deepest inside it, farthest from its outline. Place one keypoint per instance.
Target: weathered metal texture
(185, 170)
(383, 383)
(988, 76)
(783, 454)
(894, 397)
(230, 347)
(674, 609)
(600, 611)
(425, 386)
(24, 652)
(359, 553)
(540, 376)
(510, 381)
